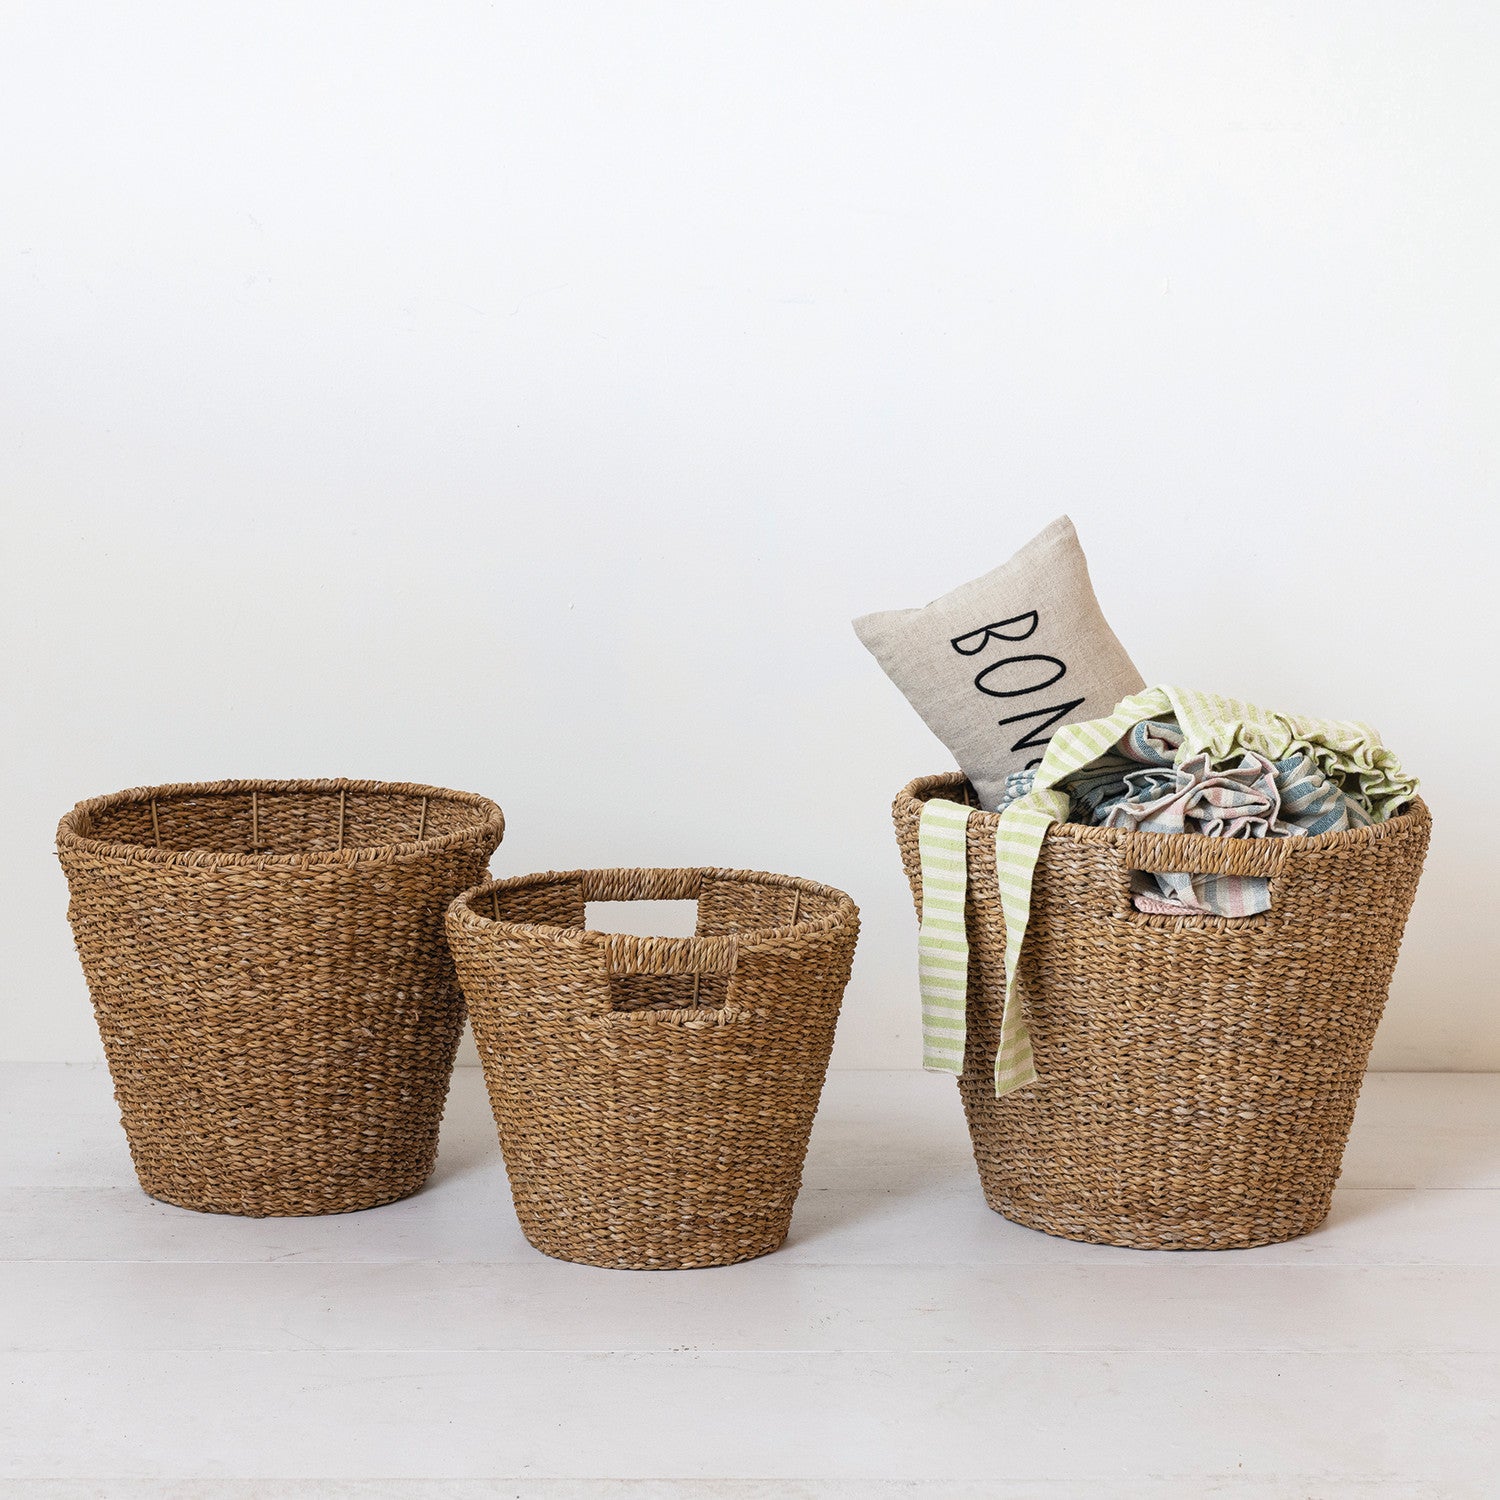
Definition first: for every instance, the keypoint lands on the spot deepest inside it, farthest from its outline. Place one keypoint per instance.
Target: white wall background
(524, 398)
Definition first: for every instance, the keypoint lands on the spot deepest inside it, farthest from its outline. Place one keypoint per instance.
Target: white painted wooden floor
(906, 1342)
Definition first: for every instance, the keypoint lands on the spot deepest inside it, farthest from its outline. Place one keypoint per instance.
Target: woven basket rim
(921, 788)
(492, 822)
(461, 909)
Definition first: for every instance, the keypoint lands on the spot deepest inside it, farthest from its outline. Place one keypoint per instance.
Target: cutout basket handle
(626, 954)
(1197, 854)
(642, 885)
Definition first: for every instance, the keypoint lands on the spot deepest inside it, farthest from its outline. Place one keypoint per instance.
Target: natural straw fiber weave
(268, 970)
(1198, 1074)
(654, 1095)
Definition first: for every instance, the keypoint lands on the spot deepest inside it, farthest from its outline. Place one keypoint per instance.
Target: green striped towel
(942, 942)
(1349, 753)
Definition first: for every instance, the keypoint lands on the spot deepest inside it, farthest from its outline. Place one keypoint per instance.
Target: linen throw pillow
(1000, 664)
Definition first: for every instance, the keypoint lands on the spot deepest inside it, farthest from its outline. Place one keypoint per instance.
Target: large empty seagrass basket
(654, 1095)
(1198, 1074)
(269, 974)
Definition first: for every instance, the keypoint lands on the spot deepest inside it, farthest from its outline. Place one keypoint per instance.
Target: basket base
(660, 1256)
(280, 1202)
(1141, 1232)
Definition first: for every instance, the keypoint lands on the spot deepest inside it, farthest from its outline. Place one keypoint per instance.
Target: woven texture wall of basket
(1198, 1074)
(654, 1095)
(271, 980)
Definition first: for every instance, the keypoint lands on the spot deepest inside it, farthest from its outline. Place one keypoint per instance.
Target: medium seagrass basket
(654, 1095)
(268, 970)
(1198, 1074)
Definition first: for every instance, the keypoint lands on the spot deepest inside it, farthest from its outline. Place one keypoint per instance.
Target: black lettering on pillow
(1020, 692)
(1038, 737)
(1019, 628)
(996, 632)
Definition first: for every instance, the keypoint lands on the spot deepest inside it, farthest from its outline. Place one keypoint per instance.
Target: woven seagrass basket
(269, 974)
(654, 1095)
(1198, 1074)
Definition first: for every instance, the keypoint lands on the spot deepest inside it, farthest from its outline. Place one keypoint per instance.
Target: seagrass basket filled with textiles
(1196, 1074)
(269, 974)
(654, 1095)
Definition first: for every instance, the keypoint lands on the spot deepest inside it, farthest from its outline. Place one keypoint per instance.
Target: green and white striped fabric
(1349, 753)
(943, 942)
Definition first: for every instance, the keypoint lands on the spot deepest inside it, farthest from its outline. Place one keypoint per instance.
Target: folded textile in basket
(1195, 735)
(1256, 798)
